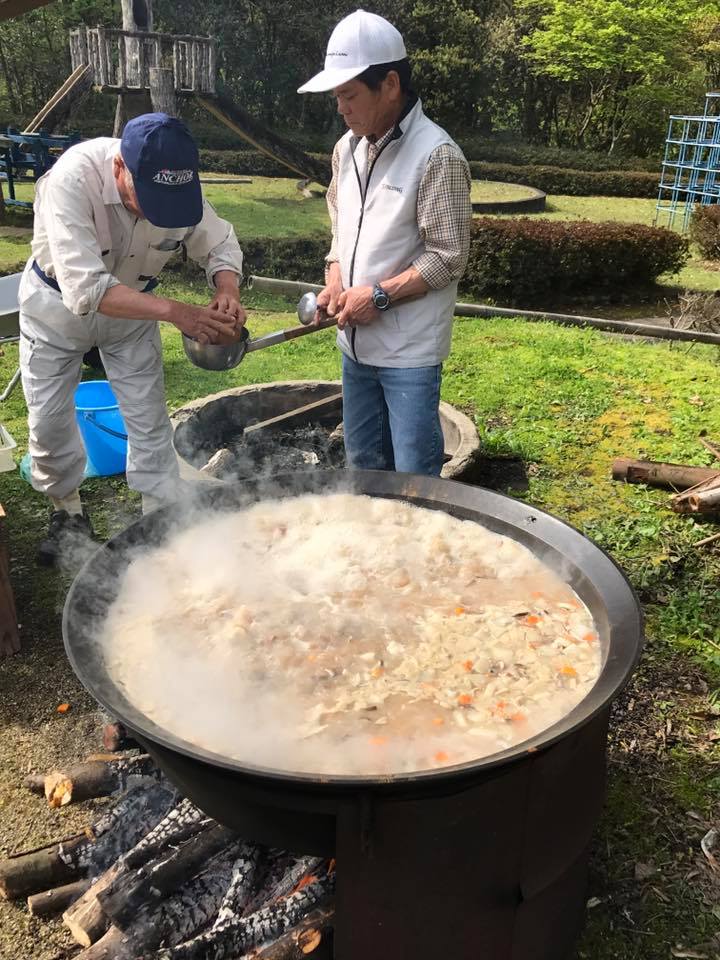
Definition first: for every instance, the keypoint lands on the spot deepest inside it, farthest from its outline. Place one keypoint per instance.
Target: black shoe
(65, 534)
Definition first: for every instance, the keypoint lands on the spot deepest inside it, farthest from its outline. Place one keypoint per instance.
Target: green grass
(485, 190)
(567, 401)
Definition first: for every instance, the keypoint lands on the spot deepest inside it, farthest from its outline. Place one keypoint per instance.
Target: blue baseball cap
(161, 155)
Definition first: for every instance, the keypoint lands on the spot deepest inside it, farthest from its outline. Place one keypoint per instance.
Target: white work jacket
(87, 241)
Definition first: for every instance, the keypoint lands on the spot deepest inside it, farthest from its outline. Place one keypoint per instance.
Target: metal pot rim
(593, 573)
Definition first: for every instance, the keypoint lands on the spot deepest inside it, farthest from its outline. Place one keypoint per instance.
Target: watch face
(381, 299)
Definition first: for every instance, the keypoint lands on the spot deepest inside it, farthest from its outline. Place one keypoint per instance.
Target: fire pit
(208, 425)
(484, 859)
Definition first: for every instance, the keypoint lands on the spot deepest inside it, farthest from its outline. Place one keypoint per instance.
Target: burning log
(283, 881)
(245, 873)
(130, 892)
(303, 939)
(97, 778)
(237, 936)
(51, 902)
(175, 919)
(85, 918)
(181, 823)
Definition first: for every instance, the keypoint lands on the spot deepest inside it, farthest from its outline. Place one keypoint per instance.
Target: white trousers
(52, 345)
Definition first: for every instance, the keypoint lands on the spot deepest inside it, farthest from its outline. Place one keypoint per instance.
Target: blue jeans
(392, 419)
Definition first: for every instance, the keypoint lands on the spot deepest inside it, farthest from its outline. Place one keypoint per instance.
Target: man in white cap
(108, 216)
(399, 203)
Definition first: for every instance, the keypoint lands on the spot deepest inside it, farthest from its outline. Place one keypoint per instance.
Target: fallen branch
(676, 476)
(706, 540)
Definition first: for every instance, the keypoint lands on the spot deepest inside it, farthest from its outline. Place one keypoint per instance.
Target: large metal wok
(502, 840)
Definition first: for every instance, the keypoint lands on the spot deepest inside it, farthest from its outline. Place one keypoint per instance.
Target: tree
(613, 57)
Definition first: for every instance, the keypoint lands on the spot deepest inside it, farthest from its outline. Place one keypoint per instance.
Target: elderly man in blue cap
(108, 216)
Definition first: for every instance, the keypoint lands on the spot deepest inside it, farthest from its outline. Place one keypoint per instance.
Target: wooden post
(162, 91)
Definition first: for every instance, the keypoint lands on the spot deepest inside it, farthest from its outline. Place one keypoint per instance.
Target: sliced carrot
(537, 594)
(459, 611)
(518, 717)
(312, 657)
(568, 671)
(378, 672)
(63, 708)
(590, 637)
(499, 707)
(465, 699)
(441, 756)
(438, 721)
(467, 666)
(378, 741)
(532, 620)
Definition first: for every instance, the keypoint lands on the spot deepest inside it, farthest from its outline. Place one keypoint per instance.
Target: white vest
(379, 238)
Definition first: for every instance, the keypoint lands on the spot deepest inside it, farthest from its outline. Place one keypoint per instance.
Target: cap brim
(171, 206)
(329, 79)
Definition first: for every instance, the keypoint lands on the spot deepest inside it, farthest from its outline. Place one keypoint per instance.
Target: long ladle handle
(270, 339)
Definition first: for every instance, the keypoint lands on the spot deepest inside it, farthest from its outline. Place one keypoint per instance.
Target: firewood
(51, 902)
(173, 920)
(656, 474)
(27, 873)
(302, 940)
(116, 737)
(221, 461)
(181, 823)
(274, 869)
(705, 501)
(240, 935)
(294, 871)
(85, 918)
(131, 891)
(245, 872)
(97, 778)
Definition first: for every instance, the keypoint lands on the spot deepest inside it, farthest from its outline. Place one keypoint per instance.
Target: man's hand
(204, 324)
(356, 307)
(227, 298)
(327, 299)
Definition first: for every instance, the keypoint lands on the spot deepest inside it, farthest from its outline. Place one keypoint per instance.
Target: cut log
(175, 919)
(303, 940)
(705, 501)
(245, 873)
(51, 902)
(308, 413)
(282, 880)
(133, 891)
(85, 918)
(657, 474)
(97, 778)
(181, 823)
(240, 935)
(219, 462)
(116, 737)
(28, 873)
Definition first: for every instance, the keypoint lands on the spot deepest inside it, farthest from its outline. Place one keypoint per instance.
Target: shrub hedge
(522, 260)
(705, 230)
(526, 154)
(526, 259)
(576, 183)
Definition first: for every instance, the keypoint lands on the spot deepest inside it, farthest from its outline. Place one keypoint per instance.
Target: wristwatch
(380, 298)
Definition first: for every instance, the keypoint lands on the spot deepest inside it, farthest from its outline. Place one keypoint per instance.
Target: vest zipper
(363, 196)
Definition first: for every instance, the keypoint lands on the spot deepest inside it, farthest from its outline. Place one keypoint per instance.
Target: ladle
(225, 356)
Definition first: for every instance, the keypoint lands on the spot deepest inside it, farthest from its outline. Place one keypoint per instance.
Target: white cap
(357, 42)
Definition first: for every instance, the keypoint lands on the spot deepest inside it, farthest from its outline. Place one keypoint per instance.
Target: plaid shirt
(443, 212)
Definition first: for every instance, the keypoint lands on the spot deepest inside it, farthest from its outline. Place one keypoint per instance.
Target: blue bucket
(102, 428)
